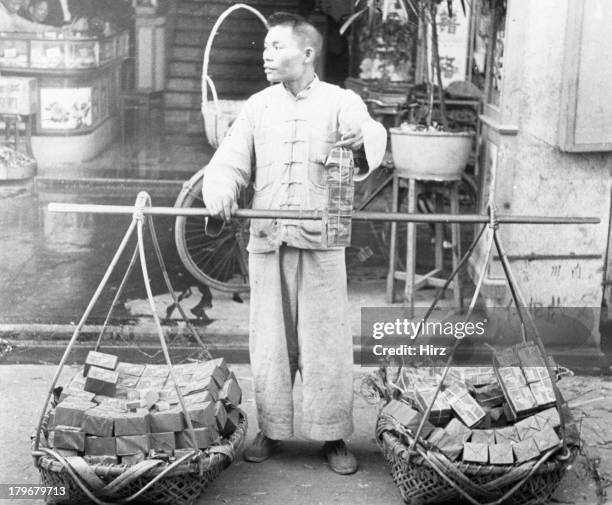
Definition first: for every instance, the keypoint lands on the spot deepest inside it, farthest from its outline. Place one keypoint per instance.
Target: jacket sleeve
(229, 170)
(353, 114)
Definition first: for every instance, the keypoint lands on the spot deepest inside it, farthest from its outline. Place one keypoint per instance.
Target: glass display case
(78, 84)
(58, 51)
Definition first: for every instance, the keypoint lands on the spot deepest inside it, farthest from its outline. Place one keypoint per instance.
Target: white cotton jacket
(285, 138)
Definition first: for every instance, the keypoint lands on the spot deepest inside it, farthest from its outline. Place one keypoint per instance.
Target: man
(299, 303)
(38, 11)
(10, 21)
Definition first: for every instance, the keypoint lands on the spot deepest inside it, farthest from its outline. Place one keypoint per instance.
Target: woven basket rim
(394, 440)
(207, 459)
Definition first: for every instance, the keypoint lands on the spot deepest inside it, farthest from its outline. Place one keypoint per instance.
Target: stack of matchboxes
(499, 415)
(114, 412)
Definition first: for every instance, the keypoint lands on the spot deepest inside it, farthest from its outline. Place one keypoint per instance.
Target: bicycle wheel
(219, 262)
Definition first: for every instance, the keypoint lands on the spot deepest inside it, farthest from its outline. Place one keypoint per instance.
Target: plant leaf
(350, 20)
(410, 4)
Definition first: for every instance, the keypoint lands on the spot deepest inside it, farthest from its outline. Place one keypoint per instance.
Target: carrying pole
(318, 214)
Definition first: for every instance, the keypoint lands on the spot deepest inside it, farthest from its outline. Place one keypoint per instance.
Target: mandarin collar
(306, 91)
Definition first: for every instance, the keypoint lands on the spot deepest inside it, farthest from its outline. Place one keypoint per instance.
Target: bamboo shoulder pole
(318, 214)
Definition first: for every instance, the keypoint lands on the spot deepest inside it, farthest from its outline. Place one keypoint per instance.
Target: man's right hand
(222, 207)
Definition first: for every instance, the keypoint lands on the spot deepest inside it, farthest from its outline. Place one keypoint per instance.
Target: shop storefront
(546, 143)
(74, 109)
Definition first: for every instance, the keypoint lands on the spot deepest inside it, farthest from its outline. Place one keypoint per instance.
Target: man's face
(40, 12)
(12, 5)
(283, 56)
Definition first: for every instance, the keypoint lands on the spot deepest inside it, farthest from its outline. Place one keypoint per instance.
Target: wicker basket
(153, 480)
(419, 478)
(423, 473)
(180, 486)
(219, 117)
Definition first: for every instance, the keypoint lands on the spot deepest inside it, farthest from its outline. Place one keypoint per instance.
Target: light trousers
(299, 322)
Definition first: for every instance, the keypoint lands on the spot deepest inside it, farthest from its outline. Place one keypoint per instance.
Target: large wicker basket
(424, 474)
(153, 480)
(219, 116)
(181, 485)
(429, 477)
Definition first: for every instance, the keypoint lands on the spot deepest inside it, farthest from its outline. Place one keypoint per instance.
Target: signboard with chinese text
(453, 41)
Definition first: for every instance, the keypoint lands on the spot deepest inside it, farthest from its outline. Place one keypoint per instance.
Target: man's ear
(309, 54)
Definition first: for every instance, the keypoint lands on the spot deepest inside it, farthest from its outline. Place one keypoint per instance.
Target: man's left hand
(353, 139)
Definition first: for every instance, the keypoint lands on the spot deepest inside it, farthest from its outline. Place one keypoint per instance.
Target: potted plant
(428, 150)
(386, 42)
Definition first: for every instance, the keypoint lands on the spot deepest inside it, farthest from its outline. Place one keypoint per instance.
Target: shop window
(586, 99)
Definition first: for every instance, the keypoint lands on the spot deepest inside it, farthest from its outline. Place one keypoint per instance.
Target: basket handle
(143, 200)
(206, 80)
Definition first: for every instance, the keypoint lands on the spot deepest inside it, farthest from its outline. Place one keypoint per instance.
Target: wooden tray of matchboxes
(118, 429)
(494, 434)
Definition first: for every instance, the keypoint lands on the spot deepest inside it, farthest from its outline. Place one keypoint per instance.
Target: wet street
(51, 263)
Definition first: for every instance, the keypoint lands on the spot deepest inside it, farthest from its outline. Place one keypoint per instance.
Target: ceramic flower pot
(430, 155)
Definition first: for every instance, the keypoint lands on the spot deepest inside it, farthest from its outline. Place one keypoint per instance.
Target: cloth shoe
(260, 449)
(340, 459)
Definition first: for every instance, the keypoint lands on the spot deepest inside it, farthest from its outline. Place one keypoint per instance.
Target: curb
(46, 343)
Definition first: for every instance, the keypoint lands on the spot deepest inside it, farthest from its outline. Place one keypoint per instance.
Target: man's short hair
(302, 27)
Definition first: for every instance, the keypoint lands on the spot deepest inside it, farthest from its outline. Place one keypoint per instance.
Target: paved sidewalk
(299, 475)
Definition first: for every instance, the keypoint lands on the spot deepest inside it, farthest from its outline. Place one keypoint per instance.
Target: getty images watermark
(410, 329)
(390, 334)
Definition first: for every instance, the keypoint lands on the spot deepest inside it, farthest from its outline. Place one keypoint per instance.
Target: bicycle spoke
(216, 261)
(217, 246)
